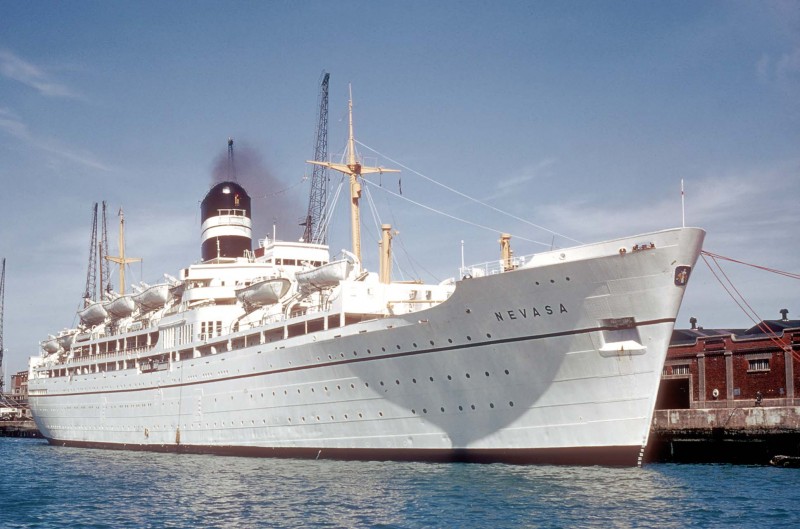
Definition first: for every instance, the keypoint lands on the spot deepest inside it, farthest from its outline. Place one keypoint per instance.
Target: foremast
(121, 260)
(354, 170)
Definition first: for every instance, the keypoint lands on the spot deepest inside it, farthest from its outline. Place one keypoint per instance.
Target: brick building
(733, 368)
(19, 388)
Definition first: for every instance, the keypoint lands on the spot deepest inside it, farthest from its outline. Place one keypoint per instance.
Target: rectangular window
(760, 364)
(682, 369)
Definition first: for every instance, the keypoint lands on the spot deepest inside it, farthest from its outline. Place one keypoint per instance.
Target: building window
(682, 369)
(760, 364)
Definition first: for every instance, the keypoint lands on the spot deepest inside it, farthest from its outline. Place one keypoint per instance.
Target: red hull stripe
(592, 455)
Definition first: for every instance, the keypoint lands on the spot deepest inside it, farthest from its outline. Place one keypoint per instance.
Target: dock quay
(744, 435)
(23, 428)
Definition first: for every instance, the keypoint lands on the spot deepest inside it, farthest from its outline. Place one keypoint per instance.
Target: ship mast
(121, 260)
(354, 170)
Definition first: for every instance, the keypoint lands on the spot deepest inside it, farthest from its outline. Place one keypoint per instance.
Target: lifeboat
(66, 337)
(263, 291)
(152, 297)
(120, 306)
(50, 345)
(325, 276)
(93, 314)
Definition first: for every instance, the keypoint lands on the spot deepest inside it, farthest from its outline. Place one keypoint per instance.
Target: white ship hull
(556, 362)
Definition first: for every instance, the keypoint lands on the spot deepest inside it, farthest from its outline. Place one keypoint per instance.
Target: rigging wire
(782, 342)
(469, 197)
(494, 230)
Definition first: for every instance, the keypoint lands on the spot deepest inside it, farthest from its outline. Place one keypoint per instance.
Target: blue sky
(578, 116)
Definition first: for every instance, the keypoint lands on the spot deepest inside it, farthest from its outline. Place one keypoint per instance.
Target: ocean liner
(286, 351)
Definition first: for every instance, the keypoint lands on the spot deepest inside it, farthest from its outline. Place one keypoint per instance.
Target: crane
(315, 223)
(2, 303)
(105, 275)
(91, 274)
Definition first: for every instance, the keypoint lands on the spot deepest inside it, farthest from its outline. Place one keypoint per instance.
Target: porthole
(366, 384)
(380, 414)
(369, 351)
(491, 404)
(413, 411)
(352, 386)
(506, 371)
(340, 387)
(414, 380)
(567, 278)
(383, 349)
(431, 378)
(449, 377)
(431, 342)
(467, 375)
(345, 416)
(449, 340)
(442, 408)
(469, 338)
(381, 382)
(472, 406)
(511, 403)
(360, 416)
(552, 280)
(397, 382)
(461, 408)
(424, 410)
(488, 335)
(486, 373)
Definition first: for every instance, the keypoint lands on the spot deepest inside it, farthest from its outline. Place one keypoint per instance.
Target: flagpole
(683, 207)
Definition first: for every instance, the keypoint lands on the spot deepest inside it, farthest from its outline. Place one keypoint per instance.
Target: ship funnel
(226, 229)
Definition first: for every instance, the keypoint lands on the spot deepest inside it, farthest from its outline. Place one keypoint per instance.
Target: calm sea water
(56, 487)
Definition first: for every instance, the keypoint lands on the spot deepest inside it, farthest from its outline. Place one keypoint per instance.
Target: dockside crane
(2, 307)
(91, 273)
(316, 226)
(105, 274)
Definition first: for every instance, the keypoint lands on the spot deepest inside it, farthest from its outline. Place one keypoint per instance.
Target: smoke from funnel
(270, 203)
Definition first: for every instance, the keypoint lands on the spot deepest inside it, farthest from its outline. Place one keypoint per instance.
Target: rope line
(459, 193)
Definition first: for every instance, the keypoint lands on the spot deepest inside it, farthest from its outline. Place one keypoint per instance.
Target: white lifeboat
(66, 337)
(93, 314)
(325, 276)
(263, 291)
(152, 297)
(120, 307)
(50, 345)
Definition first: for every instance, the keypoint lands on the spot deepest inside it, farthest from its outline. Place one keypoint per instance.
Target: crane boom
(315, 223)
(91, 274)
(2, 306)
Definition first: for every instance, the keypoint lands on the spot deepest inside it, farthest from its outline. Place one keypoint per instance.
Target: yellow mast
(122, 260)
(354, 170)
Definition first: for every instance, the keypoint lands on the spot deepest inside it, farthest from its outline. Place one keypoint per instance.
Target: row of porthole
(398, 347)
(442, 409)
(382, 383)
(551, 281)
(366, 384)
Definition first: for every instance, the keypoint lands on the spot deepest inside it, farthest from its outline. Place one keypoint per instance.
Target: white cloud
(16, 128)
(16, 68)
